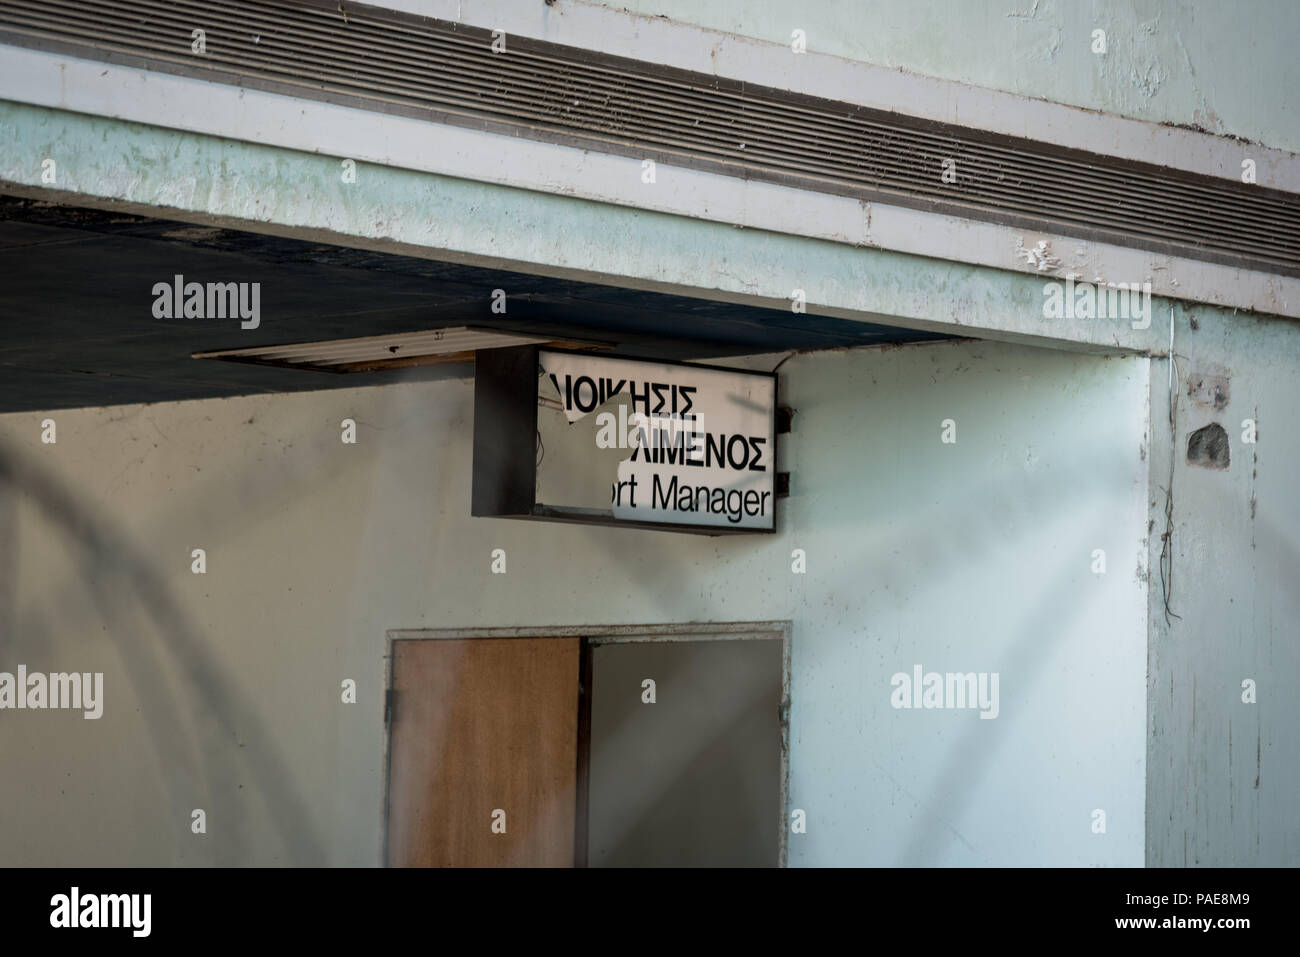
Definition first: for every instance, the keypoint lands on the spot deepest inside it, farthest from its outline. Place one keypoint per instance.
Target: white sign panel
(698, 442)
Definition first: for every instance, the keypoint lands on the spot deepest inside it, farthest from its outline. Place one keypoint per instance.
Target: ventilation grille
(383, 60)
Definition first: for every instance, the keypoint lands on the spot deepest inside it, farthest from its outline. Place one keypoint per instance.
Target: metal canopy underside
(77, 326)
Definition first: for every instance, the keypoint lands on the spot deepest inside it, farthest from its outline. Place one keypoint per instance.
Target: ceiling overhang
(80, 323)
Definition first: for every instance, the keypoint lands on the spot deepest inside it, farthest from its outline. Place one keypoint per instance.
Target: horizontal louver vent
(377, 59)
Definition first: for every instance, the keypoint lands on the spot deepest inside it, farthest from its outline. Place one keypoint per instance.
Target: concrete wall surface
(222, 690)
(1224, 771)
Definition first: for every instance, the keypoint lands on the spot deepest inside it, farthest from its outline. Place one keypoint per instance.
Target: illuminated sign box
(573, 437)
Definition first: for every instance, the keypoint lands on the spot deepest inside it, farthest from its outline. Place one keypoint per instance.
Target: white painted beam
(199, 106)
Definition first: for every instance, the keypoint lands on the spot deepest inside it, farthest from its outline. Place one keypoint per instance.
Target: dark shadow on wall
(692, 779)
(128, 587)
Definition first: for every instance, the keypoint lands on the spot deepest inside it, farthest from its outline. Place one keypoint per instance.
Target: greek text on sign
(700, 440)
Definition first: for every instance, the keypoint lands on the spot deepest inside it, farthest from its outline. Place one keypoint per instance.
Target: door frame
(605, 635)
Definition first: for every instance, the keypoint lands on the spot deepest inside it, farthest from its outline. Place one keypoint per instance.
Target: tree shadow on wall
(125, 585)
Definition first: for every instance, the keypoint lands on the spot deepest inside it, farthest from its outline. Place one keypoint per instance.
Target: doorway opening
(615, 746)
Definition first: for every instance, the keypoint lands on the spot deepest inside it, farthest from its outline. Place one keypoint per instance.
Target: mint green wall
(1223, 774)
(222, 690)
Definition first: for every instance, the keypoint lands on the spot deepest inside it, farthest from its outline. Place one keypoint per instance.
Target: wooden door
(482, 726)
